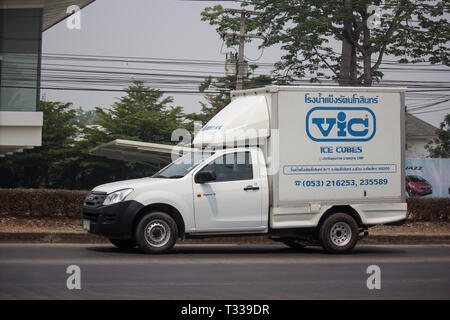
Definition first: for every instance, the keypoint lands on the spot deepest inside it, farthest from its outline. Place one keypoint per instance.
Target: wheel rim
(157, 233)
(340, 234)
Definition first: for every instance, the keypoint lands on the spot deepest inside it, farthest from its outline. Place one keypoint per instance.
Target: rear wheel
(156, 232)
(124, 244)
(338, 233)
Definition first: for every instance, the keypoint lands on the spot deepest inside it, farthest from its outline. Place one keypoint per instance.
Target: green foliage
(428, 209)
(86, 117)
(46, 166)
(440, 147)
(63, 161)
(143, 114)
(413, 30)
(216, 102)
(41, 203)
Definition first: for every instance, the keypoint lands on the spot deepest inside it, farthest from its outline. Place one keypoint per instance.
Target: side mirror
(205, 176)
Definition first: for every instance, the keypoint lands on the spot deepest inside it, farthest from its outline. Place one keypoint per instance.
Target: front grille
(109, 218)
(95, 199)
(93, 217)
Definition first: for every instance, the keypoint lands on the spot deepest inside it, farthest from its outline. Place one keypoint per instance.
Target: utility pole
(242, 35)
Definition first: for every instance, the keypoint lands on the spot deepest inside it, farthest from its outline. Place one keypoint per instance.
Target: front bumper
(423, 192)
(113, 221)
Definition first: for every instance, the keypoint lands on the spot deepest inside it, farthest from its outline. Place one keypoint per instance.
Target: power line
(181, 75)
(115, 90)
(428, 105)
(112, 58)
(437, 110)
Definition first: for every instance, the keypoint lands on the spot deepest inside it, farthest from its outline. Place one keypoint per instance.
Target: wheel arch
(163, 207)
(347, 209)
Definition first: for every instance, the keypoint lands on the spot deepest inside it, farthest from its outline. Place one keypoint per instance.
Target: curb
(48, 237)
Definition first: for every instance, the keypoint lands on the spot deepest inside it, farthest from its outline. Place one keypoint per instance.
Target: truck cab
(218, 192)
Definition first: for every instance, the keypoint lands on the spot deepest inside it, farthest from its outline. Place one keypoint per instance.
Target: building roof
(417, 128)
(141, 152)
(54, 10)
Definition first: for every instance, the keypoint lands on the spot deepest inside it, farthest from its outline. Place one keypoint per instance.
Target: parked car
(416, 186)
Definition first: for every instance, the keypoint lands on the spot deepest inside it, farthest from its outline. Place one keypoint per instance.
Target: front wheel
(156, 232)
(338, 233)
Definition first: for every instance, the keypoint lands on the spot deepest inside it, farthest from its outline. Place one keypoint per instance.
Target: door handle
(247, 188)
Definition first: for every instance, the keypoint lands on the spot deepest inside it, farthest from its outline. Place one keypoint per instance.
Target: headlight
(116, 196)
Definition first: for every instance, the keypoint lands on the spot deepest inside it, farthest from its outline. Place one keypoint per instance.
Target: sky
(170, 29)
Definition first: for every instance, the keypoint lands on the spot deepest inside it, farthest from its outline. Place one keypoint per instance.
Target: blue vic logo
(340, 124)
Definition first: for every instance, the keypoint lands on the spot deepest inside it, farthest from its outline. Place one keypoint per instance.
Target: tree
(413, 30)
(217, 101)
(86, 117)
(45, 166)
(143, 114)
(440, 147)
(63, 160)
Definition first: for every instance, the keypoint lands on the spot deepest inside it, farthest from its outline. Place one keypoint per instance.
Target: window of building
(20, 49)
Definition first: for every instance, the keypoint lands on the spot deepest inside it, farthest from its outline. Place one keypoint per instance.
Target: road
(38, 271)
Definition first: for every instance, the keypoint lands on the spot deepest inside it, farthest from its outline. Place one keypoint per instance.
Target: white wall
(415, 147)
(20, 130)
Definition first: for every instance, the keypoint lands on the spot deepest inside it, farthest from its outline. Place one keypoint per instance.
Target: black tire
(156, 232)
(338, 233)
(124, 244)
(292, 243)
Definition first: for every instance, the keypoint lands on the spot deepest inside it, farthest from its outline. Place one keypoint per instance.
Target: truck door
(233, 201)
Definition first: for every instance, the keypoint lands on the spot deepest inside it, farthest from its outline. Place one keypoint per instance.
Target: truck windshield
(180, 167)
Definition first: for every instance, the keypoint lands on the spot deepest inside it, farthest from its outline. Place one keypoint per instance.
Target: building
(418, 133)
(21, 25)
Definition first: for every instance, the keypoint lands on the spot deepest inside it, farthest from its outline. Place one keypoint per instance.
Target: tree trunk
(367, 57)
(367, 70)
(344, 74)
(354, 68)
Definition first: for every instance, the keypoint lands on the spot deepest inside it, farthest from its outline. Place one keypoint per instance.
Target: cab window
(232, 166)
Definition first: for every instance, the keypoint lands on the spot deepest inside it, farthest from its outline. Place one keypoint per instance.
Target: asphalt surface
(38, 271)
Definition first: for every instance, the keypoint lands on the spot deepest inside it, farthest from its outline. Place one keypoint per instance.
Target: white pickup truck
(302, 165)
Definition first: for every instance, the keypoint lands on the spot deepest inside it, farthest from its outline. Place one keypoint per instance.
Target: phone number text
(341, 183)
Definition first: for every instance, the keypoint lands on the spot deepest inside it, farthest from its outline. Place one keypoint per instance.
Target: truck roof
(276, 88)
